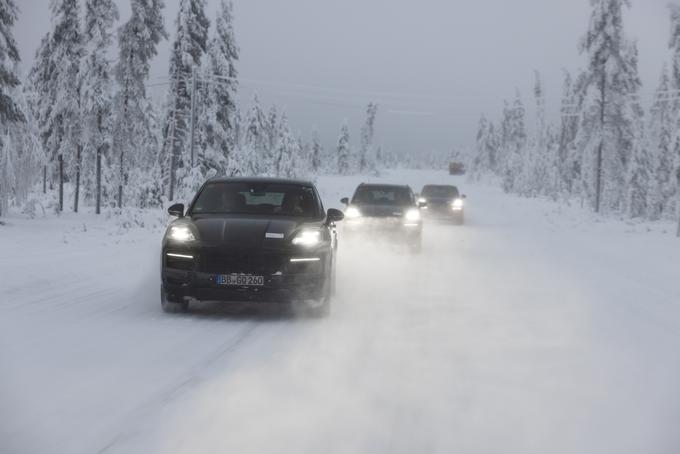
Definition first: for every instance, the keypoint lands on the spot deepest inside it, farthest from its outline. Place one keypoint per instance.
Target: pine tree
(42, 86)
(256, 159)
(53, 79)
(218, 105)
(608, 131)
(138, 40)
(660, 144)
(97, 91)
(343, 154)
(9, 110)
(366, 159)
(191, 40)
(317, 153)
(9, 58)
(513, 143)
(485, 159)
(674, 44)
(286, 151)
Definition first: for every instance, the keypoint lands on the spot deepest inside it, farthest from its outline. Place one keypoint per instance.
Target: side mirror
(176, 210)
(344, 201)
(463, 196)
(422, 204)
(334, 215)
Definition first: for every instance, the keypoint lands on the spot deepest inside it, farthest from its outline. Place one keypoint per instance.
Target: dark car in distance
(443, 202)
(385, 211)
(250, 240)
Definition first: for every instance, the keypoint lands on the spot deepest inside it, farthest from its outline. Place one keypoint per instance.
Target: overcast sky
(434, 66)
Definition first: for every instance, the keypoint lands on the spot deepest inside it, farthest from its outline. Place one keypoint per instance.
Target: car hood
(245, 230)
(440, 200)
(382, 211)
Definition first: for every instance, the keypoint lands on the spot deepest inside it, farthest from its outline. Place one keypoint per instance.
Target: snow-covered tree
(366, 157)
(9, 57)
(97, 94)
(41, 86)
(513, 140)
(486, 148)
(674, 45)
(191, 41)
(316, 153)
(10, 113)
(286, 151)
(134, 136)
(218, 103)
(256, 159)
(609, 125)
(343, 153)
(660, 143)
(53, 80)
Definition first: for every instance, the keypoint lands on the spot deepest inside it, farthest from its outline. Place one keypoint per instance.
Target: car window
(257, 198)
(440, 191)
(380, 195)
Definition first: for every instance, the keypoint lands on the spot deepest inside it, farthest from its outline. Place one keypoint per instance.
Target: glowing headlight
(181, 233)
(457, 204)
(412, 215)
(352, 213)
(422, 200)
(307, 238)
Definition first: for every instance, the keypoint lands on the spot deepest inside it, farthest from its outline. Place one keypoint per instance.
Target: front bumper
(396, 229)
(443, 213)
(284, 281)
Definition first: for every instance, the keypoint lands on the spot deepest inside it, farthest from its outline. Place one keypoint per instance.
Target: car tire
(172, 307)
(323, 308)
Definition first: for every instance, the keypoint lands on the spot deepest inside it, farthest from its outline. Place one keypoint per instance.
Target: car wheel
(322, 308)
(172, 307)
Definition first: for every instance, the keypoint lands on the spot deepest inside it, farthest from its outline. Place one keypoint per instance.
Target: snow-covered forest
(83, 114)
(607, 150)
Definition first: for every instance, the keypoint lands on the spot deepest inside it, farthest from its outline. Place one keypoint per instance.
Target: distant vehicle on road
(456, 168)
(387, 212)
(251, 239)
(443, 202)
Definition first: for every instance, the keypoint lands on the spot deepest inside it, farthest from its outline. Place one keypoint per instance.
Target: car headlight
(352, 213)
(181, 233)
(422, 200)
(307, 238)
(457, 204)
(412, 215)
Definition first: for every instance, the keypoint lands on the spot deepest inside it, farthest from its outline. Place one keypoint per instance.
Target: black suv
(444, 202)
(250, 239)
(385, 211)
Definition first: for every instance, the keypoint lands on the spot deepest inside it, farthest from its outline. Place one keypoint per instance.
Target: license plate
(240, 280)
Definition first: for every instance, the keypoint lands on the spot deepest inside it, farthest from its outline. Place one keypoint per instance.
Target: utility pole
(677, 174)
(61, 183)
(598, 169)
(173, 163)
(99, 181)
(193, 114)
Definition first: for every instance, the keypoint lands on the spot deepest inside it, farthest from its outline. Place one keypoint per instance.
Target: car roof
(260, 180)
(440, 186)
(380, 185)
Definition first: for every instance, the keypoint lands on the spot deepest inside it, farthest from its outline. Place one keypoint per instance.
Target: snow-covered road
(534, 328)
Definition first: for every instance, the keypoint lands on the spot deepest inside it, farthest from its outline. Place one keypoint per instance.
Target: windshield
(382, 195)
(257, 198)
(440, 191)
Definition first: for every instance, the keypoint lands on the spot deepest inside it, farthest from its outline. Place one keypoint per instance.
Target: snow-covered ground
(534, 328)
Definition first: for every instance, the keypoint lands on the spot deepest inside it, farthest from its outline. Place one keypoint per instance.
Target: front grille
(225, 262)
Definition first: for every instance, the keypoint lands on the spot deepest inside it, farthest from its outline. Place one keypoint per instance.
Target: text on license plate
(240, 280)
